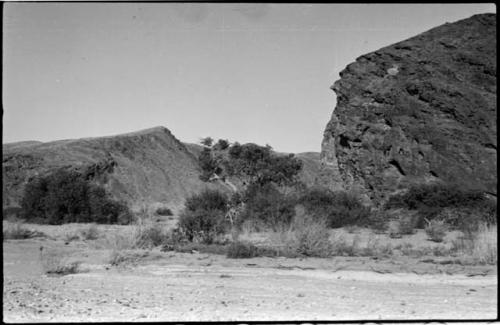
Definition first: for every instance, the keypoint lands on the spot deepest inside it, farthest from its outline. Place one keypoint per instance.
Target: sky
(256, 73)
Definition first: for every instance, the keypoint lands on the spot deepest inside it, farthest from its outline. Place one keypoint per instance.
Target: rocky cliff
(421, 110)
(147, 167)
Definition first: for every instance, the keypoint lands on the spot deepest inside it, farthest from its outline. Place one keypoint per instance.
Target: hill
(146, 167)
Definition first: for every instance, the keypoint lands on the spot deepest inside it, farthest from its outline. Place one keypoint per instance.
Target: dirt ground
(169, 286)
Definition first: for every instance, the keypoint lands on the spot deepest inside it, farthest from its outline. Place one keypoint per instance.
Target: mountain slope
(146, 167)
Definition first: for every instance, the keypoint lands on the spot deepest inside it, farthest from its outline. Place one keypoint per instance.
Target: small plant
(55, 263)
(164, 211)
(436, 230)
(242, 250)
(148, 235)
(311, 237)
(339, 208)
(377, 220)
(90, 233)
(117, 258)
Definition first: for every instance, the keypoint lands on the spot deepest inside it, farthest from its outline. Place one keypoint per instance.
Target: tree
(208, 141)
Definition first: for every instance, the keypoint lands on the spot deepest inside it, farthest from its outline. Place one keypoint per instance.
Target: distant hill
(147, 167)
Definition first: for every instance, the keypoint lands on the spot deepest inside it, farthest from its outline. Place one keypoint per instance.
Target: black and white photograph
(249, 162)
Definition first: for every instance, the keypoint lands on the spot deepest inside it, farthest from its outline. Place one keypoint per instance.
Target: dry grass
(57, 263)
(485, 244)
(436, 230)
(91, 232)
(17, 230)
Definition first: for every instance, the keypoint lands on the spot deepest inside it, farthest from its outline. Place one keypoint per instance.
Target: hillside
(146, 167)
(418, 111)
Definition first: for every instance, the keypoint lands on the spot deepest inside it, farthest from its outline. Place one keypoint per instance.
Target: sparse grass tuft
(90, 233)
(55, 263)
(17, 230)
(436, 230)
(485, 244)
(241, 249)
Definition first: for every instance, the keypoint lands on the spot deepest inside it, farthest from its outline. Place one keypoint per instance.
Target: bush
(310, 236)
(242, 250)
(164, 211)
(339, 208)
(65, 196)
(403, 226)
(260, 165)
(377, 220)
(430, 200)
(266, 207)
(203, 218)
(149, 235)
(436, 230)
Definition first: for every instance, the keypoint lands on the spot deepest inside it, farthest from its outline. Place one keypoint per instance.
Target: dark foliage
(203, 216)
(163, 211)
(242, 250)
(267, 206)
(221, 145)
(261, 165)
(339, 208)
(208, 141)
(65, 196)
(430, 200)
(208, 164)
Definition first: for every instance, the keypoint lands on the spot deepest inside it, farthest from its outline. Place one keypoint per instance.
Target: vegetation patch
(66, 196)
(17, 230)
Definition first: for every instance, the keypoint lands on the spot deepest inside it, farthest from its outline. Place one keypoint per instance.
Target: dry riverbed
(170, 286)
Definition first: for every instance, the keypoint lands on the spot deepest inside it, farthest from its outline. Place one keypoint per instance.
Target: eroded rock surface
(420, 110)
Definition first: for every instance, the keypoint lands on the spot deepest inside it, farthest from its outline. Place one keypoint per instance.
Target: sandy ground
(168, 286)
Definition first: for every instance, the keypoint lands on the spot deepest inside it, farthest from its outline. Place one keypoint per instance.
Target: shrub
(149, 235)
(377, 220)
(242, 250)
(267, 207)
(164, 211)
(436, 230)
(430, 200)
(65, 196)
(203, 218)
(261, 165)
(310, 236)
(481, 246)
(339, 208)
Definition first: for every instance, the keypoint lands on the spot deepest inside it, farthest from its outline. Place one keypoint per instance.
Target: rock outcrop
(421, 110)
(148, 167)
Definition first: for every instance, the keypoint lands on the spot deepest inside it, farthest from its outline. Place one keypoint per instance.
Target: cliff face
(421, 110)
(146, 167)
